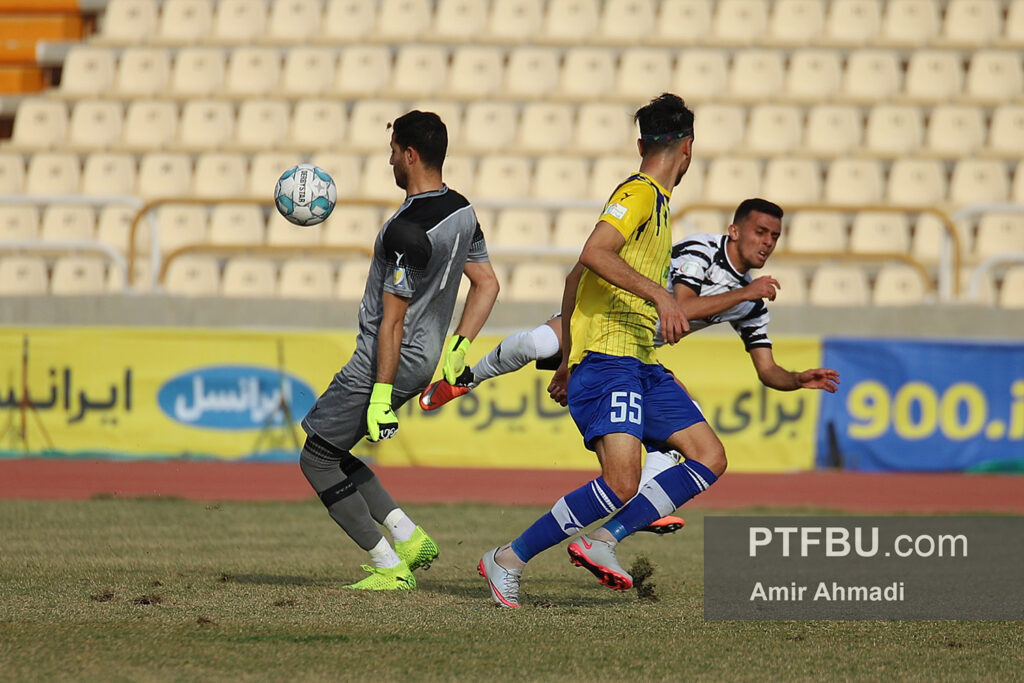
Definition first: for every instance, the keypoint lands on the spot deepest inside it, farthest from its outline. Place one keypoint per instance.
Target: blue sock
(660, 496)
(570, 514)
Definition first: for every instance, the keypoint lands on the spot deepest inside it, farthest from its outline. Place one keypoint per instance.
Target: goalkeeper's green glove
(381, 421)
(455, 357)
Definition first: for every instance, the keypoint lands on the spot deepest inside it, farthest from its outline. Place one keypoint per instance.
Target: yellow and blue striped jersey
(611, 320)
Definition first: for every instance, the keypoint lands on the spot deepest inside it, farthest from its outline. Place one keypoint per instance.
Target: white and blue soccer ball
(305, 194)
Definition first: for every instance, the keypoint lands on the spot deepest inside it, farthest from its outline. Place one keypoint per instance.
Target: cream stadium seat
(220, 174)
(756, 75)
(839, 285)
(368, 124)
(898, 285)
(19, 222)
(68, 223)
(1017, 190)
(281, 232)
(544, 127)
(39, 124)
(265, 168)
(149, 125)
(205, 124)
(813, 76)
(559, 178)
(23, 276)
(78, 275)
(51, 173)
(514, 21)
(128, 22)
(236, 224)
(994, 77)
(308, 71)
(181, 224)
(854, 181)
(1011, 294)
(457, 21)
(917, 182)
(183, 22)
(871, 76)
(689, 191)
(792, 284)
(609, 171)
(402, 20)
(143, 72)
(262, 124)
(796, 22)
(573, 227)
(792, 181)
(929, 236)
(316, 125)
(729, 178)
(193, 276)
(701, 221)
(894, 130)
(253, 71)
(603, 128)
(970, 23)
(352, 226)
(987, 293)
(568, 22)
(585, 71)
(774, 129)
(1013, 29)
(877, 232)
(95, 125)
(198, 71)
(626, 21)
(502, 177)
(345, 169)
(113, 226)
(737, 21)
(164, 175)
(109, 175)
(489, 127)
(363, 70)
(142, 277)
(248, 277)
(934, 76)
(351, 281)
(682, 22)
(522, 228)
(643, 71)
(460, 173)
(853, 22)
(420, 70)
(833, 130)
(476, 71)
(910, 22)
(349, 21)
(536, 282)
(721, 128)
(532, 72)
(701, 73)
(377, 180)
(999, 233)
(293, 22)
(976, 181)
(306, 280)
(955, 130)
(239, 21)
(12, 173)
(816, 231)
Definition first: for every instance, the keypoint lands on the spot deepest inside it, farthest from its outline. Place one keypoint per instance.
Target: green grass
(165, 589)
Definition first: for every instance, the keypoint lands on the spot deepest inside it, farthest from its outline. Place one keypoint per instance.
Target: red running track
(56, 479)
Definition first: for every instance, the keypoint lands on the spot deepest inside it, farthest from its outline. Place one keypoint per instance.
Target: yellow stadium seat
(976, 181)
(929, 236)
(701, 73)
(853, 22)
(573, 227)
(78, 275)
(23, 276)
(377, 180)
(871, 76)
(402, 20)
(970, 23)
(792, 284)
(420, 70)
(609, 171)
(193, 276)
(701, 221)
(955, 130)
(994, 77)
(351, 282)
(143, 72)
(239, 21)
(236, 224)
(460, 173)
(345, 169)
(934, 76)
(68, 223)
(114, 224)
(910, 23)
(999, 233)
(19, 222)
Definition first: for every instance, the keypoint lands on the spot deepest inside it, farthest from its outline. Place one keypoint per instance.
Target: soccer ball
(305, 194)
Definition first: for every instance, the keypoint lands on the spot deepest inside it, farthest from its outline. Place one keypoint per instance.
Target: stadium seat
(1017, 189)
(184, 22)
(792, 284)
(239, 22)
(774, 129)
(345, 169)
(604, 128)
(253, 71)
(514, 21)
(78, 275)
(792, 181)
(12, 173)
(894, 130)
(180, 224)
(929, 237)
(39, 124)
(626, 21)
(502, 177)
(308, 72)
(302, 279)
(816, 231)
(544, 127)
(262, 124)
(573, 227)
(917, 182)
(643, 71)
(985, 293)
(460, 173)
(149, 125)
(1011, 294)
(457, 21)
(352, 226)
(736, 22)
(193, 276)
(536, 282)
(568, 22)
(871, 76)
(349, 21)
(701, 73)
(994, 77)
(368, 124)
(113, 226)
(476, 72)
(608, 172)
(317, 124)
(19, 222)
(198, 72)
(95, 125)
(813, 76)
(522, 228)
(219, 175)
(999, 233)
(489, 126)
(265, 168)
(910, 23)
(128, 22)
(934, 76)
(164, 175)
(955, 130)
(143, 72)
(23, 276)
(352, 279)
(702, 221)
(248, 277)
(898, 285)
(236, 224)
(377, 180)
(419, 70)
(833, 130)
(853, 22)
(109, 175)
(585, 71)
(839, 285)
(1013, 29)
(721, 128)
(854, 181)
(205, 125)
(559, 178)
(363, 70)
(68, 223)
(796, 22)
(756, 75)
(402, 20)
(532, 72)
(689, 191)
(977, 181)
(879, 232)
(970, 23)
(729, 178)
(51, 173)
(293, 22)
(282, 233)
(682, 22)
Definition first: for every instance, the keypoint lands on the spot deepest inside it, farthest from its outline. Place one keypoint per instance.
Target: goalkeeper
(419, 257)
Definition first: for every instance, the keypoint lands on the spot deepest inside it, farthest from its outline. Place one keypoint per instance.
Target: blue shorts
(619, 394)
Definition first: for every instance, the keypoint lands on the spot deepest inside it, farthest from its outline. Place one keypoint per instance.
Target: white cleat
(598, 557)
(504, 583)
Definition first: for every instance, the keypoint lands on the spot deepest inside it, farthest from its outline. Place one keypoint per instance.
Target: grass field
(167, 589)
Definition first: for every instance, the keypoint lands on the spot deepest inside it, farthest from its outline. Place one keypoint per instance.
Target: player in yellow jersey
(618, 395)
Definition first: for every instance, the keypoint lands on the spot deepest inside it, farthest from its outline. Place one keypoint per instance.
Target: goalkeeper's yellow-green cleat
(419, 551)
(397, 578)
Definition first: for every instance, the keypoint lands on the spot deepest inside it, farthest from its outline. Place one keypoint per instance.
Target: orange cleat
(665, 525)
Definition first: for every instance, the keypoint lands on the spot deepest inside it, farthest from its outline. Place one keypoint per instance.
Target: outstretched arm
(697, 307)
(776, 377)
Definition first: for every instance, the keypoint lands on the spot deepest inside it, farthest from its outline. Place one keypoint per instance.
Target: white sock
(383, 555)
(656, 463)
(399, 524)
(516, 351)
